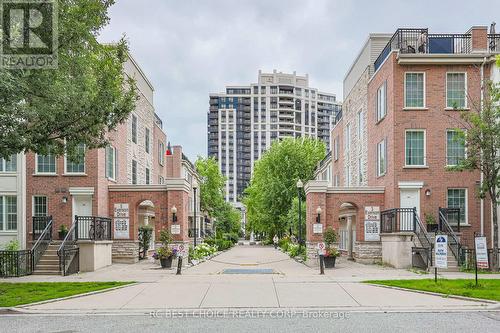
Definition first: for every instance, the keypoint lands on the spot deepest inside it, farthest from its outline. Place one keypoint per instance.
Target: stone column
(349, 238)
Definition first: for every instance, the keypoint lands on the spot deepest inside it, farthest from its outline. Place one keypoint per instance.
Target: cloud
(189, 49)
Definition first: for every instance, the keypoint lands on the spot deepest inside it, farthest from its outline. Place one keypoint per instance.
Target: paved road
(483, 322)
(292, 285)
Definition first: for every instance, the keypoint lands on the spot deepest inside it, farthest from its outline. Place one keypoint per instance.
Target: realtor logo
(28, 34)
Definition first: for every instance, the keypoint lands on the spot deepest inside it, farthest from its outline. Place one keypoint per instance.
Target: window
(348, 137)
(161, 180)
(414, 90)
(161, 153)
(381, 101)
(9, 165)
(111, 162)
(46, 163)
(456, 90)
(40, 207)
(361, 125)
(8, 213)
(134, 128)
(336, 146)
(457, 198)
(347, 176)
(134, 172)
(360, 171)
(148, 175)
(455, 149)
(78, 164)
(381, 158)
(146, 140)
(415, 148)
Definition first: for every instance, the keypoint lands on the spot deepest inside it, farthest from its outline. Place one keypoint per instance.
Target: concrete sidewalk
(292, 285)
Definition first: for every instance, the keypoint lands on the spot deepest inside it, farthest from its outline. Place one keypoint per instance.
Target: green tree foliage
(269, 196)
(212, 185)
(292, 217)
(85, 97)
(482, 141)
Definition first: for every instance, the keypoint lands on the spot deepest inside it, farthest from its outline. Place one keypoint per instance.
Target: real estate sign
(441, 251)
(481, 252)
(372, 223)
(121, 221)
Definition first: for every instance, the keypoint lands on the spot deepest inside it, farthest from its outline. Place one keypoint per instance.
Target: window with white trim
(134, 172)
(381, 101)
(455, 148)
(361, 125)
(46, 163)
(457, 198)
(415, 148)
(381, 158)
(77, 164)
(148, 176)
(8, 165)
(360, 171)
(147, 139)
(40, 205)
(456, 90)
(111, 163)
(134, 128)
(348, 137)
(414, 90)
(8, 213)
(336, 146)
(161, 153)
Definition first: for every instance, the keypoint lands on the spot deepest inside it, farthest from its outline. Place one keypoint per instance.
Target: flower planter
(166, 262)
(432, 227)
(62, 234)
(330, 262)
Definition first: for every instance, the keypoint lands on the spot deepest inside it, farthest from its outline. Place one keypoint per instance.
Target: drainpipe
(482, 174)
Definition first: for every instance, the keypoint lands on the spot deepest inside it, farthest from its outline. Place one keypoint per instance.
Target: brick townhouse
(394, 140)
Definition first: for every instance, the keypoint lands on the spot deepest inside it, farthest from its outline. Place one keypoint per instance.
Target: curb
(464, 298)
(95, 292)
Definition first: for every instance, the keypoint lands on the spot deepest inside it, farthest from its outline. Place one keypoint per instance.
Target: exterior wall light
(174, 214)
(64, 199)
(318, 211)
(428, 192)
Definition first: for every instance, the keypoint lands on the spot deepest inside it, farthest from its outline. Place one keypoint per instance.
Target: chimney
(479, 36)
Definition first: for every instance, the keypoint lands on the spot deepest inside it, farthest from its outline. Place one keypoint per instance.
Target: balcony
(406, 41)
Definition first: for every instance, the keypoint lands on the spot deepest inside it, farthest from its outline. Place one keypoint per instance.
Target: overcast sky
(191, 48)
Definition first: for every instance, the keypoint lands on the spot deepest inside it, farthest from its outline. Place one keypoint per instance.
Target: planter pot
(166, 262)
(62, 234)
(432, 227)
(330, 262)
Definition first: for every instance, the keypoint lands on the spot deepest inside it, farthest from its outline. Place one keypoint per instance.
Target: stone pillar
(349, 238)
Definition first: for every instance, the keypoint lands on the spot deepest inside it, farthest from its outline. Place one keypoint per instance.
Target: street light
(174, 214)
(318, 211)
(300, 185)
(194, 217)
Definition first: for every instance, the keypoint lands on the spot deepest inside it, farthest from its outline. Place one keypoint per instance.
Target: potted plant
(63, 231)
(430, 221)
(331, 253)
(165, 254)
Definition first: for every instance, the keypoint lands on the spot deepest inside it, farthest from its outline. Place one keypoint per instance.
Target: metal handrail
(67, 239)
(446, 228)
(37, 249)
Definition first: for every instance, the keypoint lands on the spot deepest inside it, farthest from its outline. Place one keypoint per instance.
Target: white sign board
(317, 228)
(121, 221)
(321, 248)
(181, 250)
(372, 223)
(175, 229)
(441, 251)
(481, 252)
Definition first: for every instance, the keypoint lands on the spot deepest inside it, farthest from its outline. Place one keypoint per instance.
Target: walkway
(291, 285)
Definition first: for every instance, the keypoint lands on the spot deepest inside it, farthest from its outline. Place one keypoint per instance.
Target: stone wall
(125, 251)
(368, 252)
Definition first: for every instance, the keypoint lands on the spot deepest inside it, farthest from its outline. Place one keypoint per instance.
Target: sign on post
(481, 252)
(321, 249)
(441, 251)
(121, 221)
(372, 223)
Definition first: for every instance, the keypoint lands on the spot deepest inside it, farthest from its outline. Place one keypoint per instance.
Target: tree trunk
(495, 256)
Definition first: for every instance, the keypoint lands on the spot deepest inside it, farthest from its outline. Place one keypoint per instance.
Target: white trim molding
(81, 190)
(411, 184)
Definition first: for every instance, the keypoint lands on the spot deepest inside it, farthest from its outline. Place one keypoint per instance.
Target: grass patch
(12, 294)
(486, 289)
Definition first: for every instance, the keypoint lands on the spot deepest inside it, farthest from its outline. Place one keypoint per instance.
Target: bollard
(321, 264)
(179, 265)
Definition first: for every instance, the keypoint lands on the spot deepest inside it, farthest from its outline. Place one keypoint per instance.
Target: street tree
(86, 96)
(272, 188)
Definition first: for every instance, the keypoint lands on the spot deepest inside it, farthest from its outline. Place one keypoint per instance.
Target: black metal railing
(42, 242)
(425, 241)
(414, 41)
(445, 228)
(452, 217)
(494, 42)
(39, 224)
(68, 251)
(421, 257)
(398, 220)
(92, 228)
(468, 258)
(15, 263)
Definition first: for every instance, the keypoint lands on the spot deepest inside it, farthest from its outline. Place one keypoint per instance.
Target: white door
(82, 205)
(409, 198)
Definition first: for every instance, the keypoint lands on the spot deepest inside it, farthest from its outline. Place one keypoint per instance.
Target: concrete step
(37, 272)
(44, 261)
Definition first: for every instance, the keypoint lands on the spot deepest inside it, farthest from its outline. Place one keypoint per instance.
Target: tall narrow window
(46, 163)
(161, 153)
(76, 164)
(146, 140)
(348, 137)
(111, 162)
(360, 171)
(455, 148)
(8, 165)
(8, 213)
(336, 148)
(148, 176)
(381, 101)
(134, 172)
(456, 90)
(414, 90)
(40, 206)
(361, 125)
(381, 158)
(415, 148)
(457, 198)
(134, 128)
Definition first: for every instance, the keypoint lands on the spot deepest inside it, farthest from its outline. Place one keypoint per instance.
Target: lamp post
(194, 216)
(300, 185)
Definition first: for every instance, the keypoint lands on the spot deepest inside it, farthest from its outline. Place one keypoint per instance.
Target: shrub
(329, 236)
(145, 234)
(223, 244)
(201, 251)
(295, 250)
(13, 245)
(231, 236)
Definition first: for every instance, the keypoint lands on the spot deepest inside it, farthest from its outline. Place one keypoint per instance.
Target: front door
(409, 198)
(82, 205)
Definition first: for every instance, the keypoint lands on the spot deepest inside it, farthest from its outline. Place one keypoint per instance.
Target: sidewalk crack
(204, 296)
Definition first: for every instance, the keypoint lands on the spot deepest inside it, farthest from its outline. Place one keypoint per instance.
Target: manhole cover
(248, 271)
